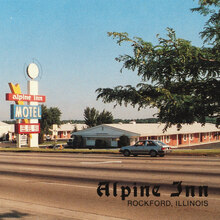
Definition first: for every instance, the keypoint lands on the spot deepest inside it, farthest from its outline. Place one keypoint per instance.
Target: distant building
(7, 129)
(187, 135)
(64, 131)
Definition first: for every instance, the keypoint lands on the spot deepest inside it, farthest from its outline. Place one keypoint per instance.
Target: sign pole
(32, 88)
(18, 136)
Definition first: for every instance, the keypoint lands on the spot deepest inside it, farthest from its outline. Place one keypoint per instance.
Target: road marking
(101, 162)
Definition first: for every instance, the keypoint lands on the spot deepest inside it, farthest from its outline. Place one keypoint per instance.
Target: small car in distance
(147, 147)
(55, 147)
(70, 144)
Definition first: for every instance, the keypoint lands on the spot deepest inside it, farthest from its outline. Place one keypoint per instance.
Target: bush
(77, 141)
(123, 141)
(41, 137)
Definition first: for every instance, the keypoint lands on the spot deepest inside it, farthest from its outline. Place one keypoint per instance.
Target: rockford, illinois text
(167, 203)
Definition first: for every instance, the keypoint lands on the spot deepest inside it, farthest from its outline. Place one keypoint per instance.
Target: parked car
(48, 138)
(148, 147)
(56, 146)
(70, 142)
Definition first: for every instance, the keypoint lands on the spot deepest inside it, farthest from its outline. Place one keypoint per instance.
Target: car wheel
(153, 153)
(126, 153)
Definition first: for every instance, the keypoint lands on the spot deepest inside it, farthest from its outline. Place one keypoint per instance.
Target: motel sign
(26, 115)
(25, 112)
(26, 128)
(25, 97)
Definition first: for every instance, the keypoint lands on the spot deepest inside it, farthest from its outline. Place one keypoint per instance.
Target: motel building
(188, 135)
(64, 131)
(7, 129)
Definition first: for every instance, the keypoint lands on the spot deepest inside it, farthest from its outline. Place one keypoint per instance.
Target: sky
(68, 39)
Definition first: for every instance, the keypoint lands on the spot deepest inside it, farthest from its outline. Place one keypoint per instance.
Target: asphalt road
(64, 186)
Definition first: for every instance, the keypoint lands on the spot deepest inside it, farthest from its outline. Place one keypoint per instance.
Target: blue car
(147, 147)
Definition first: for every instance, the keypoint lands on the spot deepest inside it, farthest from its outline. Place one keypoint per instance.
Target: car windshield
(140, 143)
(161, 143)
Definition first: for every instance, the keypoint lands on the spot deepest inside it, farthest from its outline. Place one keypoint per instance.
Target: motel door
(179, 139)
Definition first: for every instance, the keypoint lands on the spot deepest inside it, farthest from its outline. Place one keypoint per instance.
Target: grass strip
(58, 150)
(188, 152)
(197, 152)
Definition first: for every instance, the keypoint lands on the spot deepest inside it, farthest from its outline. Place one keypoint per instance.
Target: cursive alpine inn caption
(145, 191)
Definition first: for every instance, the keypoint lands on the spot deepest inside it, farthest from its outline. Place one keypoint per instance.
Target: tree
(7, 137)
(90, 116)
(93, 117)
(49, 117)
(210, 33)
(179, 79)
(105, 117)
(75, 128)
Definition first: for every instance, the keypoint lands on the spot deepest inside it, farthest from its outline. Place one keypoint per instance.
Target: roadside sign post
(26, 115)
(18, 136)
(33, 90)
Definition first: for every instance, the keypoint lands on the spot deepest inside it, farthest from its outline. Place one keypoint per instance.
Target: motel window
(191, 137)
(159, 138)
(168, 139)
(185, 137)
(205, 135)
(210, 135)
(65, 133)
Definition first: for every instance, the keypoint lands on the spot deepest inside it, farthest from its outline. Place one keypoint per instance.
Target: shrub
(123, 141)
(77, 141)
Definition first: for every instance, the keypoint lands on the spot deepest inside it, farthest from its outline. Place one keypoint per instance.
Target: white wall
(90, 142)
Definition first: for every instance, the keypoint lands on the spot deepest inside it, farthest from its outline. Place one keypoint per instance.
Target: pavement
(10, 209)
(64, 186)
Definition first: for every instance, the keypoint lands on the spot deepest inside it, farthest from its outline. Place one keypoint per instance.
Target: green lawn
(52, 142)
(27, 149)
(197, 152)
(204, 152)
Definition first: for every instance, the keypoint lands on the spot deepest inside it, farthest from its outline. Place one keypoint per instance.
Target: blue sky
(69, 39)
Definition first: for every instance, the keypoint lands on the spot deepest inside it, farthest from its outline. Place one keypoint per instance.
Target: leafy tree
(49, 117)
(179, 79)
(93, 117)
(90, 116)
(75, 128)
(72, 121)
(105, 117)
(7, 137)
(210, 33)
